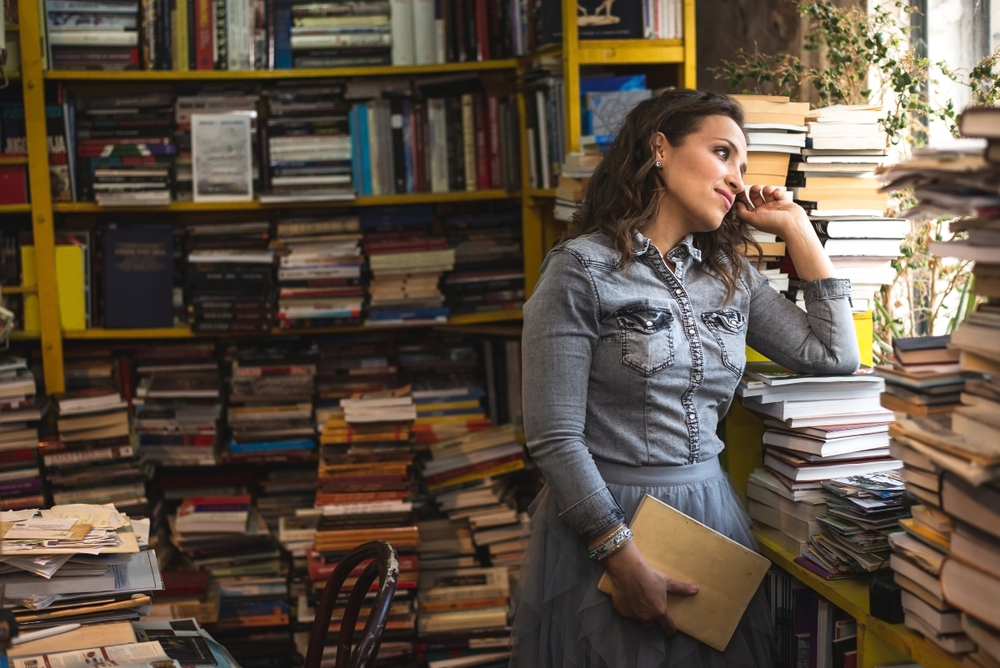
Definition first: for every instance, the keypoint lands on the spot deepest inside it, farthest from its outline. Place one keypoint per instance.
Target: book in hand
(727, 573)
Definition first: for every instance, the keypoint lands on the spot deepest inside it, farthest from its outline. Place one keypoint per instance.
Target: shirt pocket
(647, 338)
(729, 328)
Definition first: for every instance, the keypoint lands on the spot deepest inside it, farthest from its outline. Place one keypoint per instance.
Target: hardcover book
(138, 276)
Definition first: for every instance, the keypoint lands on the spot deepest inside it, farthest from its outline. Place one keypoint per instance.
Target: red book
(320, 569)
(472, 468)
(203, 38)
(482, 30)
(493, 139)
(13, 184)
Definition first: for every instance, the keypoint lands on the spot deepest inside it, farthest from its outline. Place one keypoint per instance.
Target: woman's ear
(660, 146)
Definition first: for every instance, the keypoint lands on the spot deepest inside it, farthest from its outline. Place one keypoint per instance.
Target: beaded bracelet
(611, 544)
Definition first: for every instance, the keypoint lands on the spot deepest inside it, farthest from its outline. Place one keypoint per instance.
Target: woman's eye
(723, 153)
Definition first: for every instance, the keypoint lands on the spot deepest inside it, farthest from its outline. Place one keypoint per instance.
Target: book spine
(181, 62)
(482, 30)
(398, 146)
(204, 10)
(424, 32)
(440, 33)
(481, 126)
(221, 34)
(402, 29)
(147, 43)
(422, 159)
(469, 141)
(409, 149)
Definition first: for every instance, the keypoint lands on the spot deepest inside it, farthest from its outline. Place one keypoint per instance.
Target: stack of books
(20, 412)
(237, 101)
(835, 182)
(574, 177)
(93, 37)
(446, 410)
(817, 428)
(227, 537)
(76, 563)
(352, 365)
(319, 272)
(406, 263)
(177, 408)
(923, 376)
(229, 278)
(307, 143)
(489, 267)
(777, 130)
(270, 412)
(92, 460)
(950, 570)
(323, 36)
(125, 149)
(453, 601)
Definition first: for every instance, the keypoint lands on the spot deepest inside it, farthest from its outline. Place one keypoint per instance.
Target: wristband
(611, 544)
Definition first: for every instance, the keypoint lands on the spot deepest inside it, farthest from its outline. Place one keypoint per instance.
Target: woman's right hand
(640, 591)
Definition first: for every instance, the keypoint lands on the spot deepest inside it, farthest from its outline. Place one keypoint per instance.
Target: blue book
(282, 34)
(138, 276)
(272, 446)
(408, 314)
(352, 124)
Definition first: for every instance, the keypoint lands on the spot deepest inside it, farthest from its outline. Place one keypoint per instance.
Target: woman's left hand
(770, 209)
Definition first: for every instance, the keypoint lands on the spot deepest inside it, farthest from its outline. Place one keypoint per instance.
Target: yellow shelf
(631, 52)
(547, 193)
(18, 290)
(98, 333)
(851, 596)
(15, 208)
(11, 27)
(24, 336)
(378, 200)
(13, 159)
(215, 75)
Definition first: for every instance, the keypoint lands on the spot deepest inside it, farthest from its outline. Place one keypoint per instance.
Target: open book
(727, 574)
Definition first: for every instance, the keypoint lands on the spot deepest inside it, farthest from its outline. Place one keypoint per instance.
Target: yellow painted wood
(874, 651)
(744, 449)
(217, 75)
(25, 336)
(863, 327)
(15, 208)
(851, 596)
(630, 52)
(489, 316)
(13, 160)
(380, 200)
(689, 69)
(571, 75)
(532, 247)
(542, 193)
(11, 27)
(41, 196)
(17, 290)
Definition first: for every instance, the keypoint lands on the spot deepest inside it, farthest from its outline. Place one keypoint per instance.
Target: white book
(402, 27)
(437, 128)
(238, 17)
(424, 33)
(94, 38)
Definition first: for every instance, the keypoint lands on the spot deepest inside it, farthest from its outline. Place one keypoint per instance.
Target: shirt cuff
(827, 288)
(594, 515)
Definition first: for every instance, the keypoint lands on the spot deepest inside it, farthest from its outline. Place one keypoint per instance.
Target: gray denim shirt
(639, 367)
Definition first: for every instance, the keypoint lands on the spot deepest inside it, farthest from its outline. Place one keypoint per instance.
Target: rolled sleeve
(561, 330)
(820, 340)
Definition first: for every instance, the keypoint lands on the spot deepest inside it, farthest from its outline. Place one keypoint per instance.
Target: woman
(634, 342)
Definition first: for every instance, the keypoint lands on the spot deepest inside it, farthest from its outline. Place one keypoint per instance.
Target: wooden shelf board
(25, 336)
(15, 208)
(377, 200)
(11, 27)
(631, 52)
(13, 160)
(851, 596)
(98, 333)
(216, 75)
(18, 290)
(542, 193)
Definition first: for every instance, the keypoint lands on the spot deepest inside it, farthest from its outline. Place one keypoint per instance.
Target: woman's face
(703, 175)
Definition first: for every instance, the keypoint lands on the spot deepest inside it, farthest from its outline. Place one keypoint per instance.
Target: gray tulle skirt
(561, 619)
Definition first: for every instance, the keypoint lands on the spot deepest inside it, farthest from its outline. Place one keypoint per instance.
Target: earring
(658, 164)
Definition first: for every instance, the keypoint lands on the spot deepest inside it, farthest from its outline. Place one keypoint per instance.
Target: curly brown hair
(624, 193)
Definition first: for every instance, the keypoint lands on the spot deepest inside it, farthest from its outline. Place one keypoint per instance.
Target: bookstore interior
(262, 269)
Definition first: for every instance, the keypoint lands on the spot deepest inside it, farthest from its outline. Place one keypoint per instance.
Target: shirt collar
(685, 248)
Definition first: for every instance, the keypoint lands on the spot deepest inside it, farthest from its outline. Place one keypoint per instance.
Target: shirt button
(649, 323)
(678, 291)
(692, 416)
(691, 332)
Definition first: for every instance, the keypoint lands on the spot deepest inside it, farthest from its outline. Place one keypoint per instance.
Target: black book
(594, 21)
(138, 276)
(455, 144)
(398, 145)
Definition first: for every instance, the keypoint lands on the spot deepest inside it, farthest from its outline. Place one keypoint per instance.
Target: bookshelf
(539, 231)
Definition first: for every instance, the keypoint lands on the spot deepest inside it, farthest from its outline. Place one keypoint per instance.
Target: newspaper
(132, 655)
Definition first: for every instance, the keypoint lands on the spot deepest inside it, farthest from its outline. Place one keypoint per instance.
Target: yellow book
(71, 284)
(180, 31)
(727, 574)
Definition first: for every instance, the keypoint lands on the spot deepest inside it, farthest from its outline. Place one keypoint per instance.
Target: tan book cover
(727, 574)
